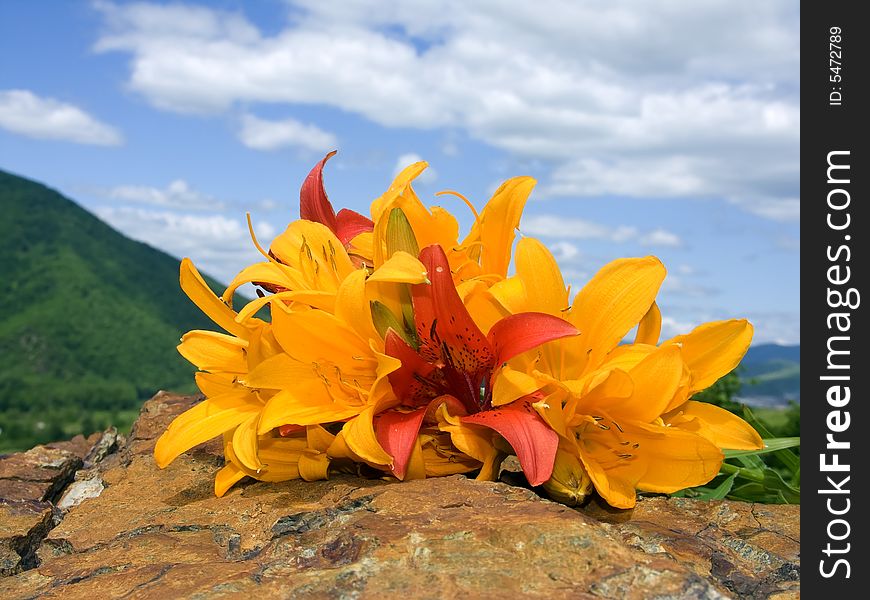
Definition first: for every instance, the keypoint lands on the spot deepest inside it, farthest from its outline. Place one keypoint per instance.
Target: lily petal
(443, 321)
(613, 302)
(713, 350)
(350, 224)
(313, 467)
(650, 327)
(725, 429)
(499, 221)
(401, 267)
(510, 384)
(314, 205)
(360, 437)
(209, 419)
(542, 281)
(205, 299)
(531, 438)
(215, 352)
(516, 334)
(278, 372)
(397, 434)
(246, 444)
(298, 407)
(270, 274)
(226, 478)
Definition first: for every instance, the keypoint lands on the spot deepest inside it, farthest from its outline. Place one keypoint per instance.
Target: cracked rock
(131, 529)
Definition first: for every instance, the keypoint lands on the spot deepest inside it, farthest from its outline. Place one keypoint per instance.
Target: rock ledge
(96, 518)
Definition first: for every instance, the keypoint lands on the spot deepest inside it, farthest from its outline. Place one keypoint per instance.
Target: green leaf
(720, 491)
(400, 235)
(770, 445)
(788, 458)
(756, 492)
(774, 481)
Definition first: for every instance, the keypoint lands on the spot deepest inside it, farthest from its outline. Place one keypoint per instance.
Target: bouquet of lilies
(397, 349)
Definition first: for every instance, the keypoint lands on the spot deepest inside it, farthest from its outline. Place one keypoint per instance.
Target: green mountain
(89, 319)
(771, 375)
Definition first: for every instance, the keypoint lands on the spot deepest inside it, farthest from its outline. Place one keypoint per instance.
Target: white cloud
(780, 327)
(682, 286)
(555, 226)
(25, 113)
(178, 194)
(261, 134)
(219, 246)
(565, 251)
(660, 237)
(672, 327)
(425, 178)
(777, 209)
(639, 98)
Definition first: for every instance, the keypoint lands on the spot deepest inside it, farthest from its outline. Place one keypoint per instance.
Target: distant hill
(770, 375)
(89, 319)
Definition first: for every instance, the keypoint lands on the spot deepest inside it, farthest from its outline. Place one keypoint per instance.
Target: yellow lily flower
(619, 396)
(423, 358)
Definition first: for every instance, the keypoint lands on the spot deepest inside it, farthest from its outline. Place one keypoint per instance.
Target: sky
(652, 127)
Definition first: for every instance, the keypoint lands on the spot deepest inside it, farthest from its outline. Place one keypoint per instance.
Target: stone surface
(29, 482)
(137, 531)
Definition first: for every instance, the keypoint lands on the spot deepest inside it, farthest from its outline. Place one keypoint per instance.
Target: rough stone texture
(145, 533)
(29, 482)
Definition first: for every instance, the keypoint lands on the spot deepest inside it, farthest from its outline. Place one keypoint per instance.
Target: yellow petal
(362, 246)
(569, 483)
(226, 478)
(352, 305)
(270, 273)
(650, 327)
(314, 251)
(655, 458)
(278, 372)
(303, 407)
(416, 468)
(498, 222)
(401, 267)
(627, 356)
(437, 465)
(618, 492)
(198, 291)
(207, 420)
(656, 379)
(398, 186)
(318, 438)
(510, 293)
(551, 410)
(315, 336)
(612, 303)
(313, 298)
(675, 459)
(338, 449)
(511, 384)
(472, 440)
(542, 280)
(215, 352)
(261, 345)
(483, 308)
(313, 467)
(245, 443)
(215, 384)
(726, 430)
(712, 350)
(613, 388)
(359, 435)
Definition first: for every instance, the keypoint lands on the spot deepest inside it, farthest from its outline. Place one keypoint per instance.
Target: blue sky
(656, 127)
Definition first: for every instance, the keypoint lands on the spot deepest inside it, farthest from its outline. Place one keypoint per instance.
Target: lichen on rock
(162, 533)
